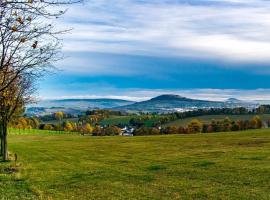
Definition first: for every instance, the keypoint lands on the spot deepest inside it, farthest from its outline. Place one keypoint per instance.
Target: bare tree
(29, 45)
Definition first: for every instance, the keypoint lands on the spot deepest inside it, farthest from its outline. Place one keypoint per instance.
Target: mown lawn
(209, 166)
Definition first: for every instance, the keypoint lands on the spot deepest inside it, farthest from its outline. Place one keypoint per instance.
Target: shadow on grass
(156, 167)
(204, 164)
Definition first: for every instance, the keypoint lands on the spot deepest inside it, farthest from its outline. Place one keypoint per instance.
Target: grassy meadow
(124, 120)
(115, 120)
(203, 166)
(208, 118)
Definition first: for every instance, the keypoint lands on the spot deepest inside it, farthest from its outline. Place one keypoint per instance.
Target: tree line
(155, 119)
(194, 126)
(197, 126)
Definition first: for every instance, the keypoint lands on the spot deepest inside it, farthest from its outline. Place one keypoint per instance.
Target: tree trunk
(1, 150)
(4, 141)
(1, 138)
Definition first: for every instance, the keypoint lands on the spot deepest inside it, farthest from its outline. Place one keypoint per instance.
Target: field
(208, 119)
(63, 120)
(204, 166)
(115, 120)
(124, 120)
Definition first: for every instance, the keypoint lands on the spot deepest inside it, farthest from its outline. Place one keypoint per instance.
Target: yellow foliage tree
(68, 127)
(87, 129)
(195, 126)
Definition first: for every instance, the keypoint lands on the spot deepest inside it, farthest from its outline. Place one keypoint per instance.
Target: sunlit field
(203, 166)
(208, 118)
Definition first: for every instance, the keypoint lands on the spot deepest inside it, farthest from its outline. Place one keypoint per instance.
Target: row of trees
(69, 127)
(26, 123)
(106, 131)
(196, 126)
(85, 129)
(156, 119)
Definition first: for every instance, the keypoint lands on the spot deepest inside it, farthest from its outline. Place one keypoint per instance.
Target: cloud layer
(232, 30)
(165, 46)
(146, 94)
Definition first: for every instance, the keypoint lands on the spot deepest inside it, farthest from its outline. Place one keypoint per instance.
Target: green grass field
(75, 119)
(124, 120)
(115, 120)
(204, 166)
(208, 119)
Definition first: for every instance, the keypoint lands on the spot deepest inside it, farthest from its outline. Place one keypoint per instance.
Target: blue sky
(137, 49)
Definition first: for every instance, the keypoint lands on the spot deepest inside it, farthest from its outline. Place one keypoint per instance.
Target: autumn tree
(98, 131)
(112, 131)
(170, 130)
(227, 124)
(68, 126)
(195, 126)
(256, 123)
(29, 45)
(12, 102)
(87, 129)
(59, 115)
(48, 127)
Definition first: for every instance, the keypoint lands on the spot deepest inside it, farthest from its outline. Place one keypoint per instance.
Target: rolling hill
(169, 103)
(162, 103)
(74, 106)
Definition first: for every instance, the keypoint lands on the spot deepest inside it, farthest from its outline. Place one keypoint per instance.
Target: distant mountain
(86, 103)
(74, 106)
(170, 103)
(171, 97)
(163, 103)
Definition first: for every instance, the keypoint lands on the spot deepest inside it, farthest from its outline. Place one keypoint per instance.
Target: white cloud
(237, 30)
(145, 94)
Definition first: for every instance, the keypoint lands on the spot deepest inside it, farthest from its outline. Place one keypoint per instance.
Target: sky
(138, 49)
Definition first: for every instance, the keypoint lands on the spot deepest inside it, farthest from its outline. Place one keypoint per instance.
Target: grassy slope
(63, 120)
(115, 120)
(208, 118)
(210, 166)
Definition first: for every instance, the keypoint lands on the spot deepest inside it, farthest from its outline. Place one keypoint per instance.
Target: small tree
(48, 127)
(227, 124)
(256, 123)
(59, 115)
(170, 130)
(68, 126)
(87, 129)
(98, 131)
(112, 131)
(195, 126)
